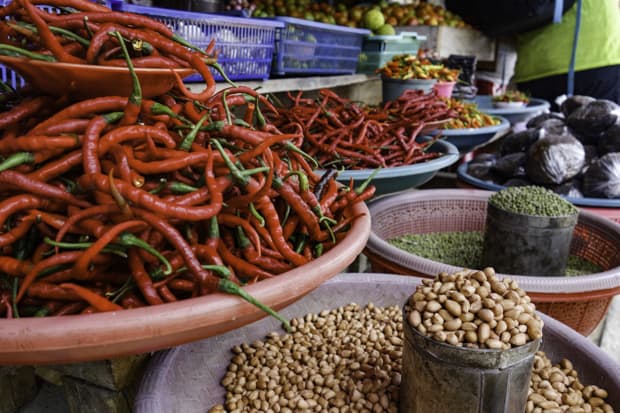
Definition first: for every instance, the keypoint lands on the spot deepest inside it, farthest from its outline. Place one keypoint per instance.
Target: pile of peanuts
(557, 389)
(343, 360)
(349, 359)
(474, 309)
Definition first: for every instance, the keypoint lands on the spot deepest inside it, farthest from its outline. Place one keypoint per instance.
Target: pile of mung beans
(532, 200)
(464, 250)
(474, 309)
(349, 360)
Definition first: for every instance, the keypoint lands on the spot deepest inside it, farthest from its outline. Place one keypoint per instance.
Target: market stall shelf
(88, 81)
(512, 114)
(187, 378)
(466, 139)
(77, 338)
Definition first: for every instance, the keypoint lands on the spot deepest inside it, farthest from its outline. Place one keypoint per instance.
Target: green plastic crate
(378, 50)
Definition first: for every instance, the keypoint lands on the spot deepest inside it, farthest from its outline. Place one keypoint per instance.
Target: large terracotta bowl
(89, 81)
(141, 330)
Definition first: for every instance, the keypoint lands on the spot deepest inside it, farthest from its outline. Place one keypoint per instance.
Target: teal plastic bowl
(514, 115)
(467, 139)
(399, 178)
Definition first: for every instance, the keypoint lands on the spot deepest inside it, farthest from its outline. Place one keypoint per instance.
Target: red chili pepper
(47, 37)
(100, 303)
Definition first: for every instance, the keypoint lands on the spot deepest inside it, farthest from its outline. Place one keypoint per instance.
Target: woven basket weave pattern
(418, 212)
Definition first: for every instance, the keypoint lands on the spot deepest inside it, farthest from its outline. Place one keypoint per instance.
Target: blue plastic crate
(245, 45)
(307, 47)
(378, 50)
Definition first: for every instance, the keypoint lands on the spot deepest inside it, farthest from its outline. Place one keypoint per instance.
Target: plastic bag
(573, 103)
(609, 141)
(486, 158)
(517, 182)
(511, 165)
(602, 180)
(537, 120)
(571, 189)
(481, 171)
(555, 159)
(591, 156)
(552, 126)
(591, 120)
(519, 141)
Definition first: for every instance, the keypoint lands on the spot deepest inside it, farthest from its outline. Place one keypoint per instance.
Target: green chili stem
(14, 297)
(254, 171)
(162, 185)
(87, 28)
(259, 115)
(301, 177)
(214, 228)
(186, 143)
(235, 172)
(242, 240)
(42, 312)
(58, 30)
(113, 117)
(16, 159)
(181, 188)
(301, 244)
(226, 108)
(191, 46)
(117, 196)
(257, 215)
(230, 287)
(241, 122)
(128, 285)
(8, 50)
(136, 91)
(159, 109)
(222, 73)
(364, 184)
(130, 240)
(287, 213)
(110, 248)
(318, 249)
(292, 147)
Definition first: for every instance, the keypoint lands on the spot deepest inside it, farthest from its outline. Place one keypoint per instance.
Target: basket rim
(606, 280)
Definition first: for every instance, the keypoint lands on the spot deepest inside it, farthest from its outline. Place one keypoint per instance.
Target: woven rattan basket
(580, 302)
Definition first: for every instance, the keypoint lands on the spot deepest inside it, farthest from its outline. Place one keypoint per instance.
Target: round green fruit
(386, 30)
(373, 19)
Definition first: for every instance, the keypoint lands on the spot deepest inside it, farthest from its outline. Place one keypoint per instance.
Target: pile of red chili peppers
(343, 134)
(121, 202)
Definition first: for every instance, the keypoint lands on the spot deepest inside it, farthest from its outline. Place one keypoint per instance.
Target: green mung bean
(464, 250)
(580, 266)
(461, 249)
(532, 200)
